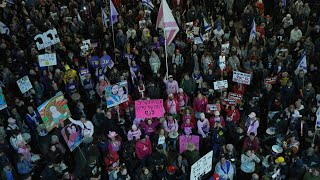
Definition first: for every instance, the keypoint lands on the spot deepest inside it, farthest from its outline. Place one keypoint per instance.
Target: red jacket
(167, 108)
(251, 145)
(143, 149)
(200, 105)
(212, 122)
(235, 114)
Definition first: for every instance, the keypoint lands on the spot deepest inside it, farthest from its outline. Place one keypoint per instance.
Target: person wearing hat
(191, 154)
(183, 99)
(252, 123)
(203, 126)
(134, 133)
(177, 59)
(172, 86)
(171, 105)
(143, 149)
(225, 169)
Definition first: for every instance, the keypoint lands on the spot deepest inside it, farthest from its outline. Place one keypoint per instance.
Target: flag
(166, 22)
(253, 32)
(79, 17)
(10, 1)
(284, 3)
(148, 3)
(4, 29)
(113, 13)
(104, 17)
(302, 64)
(207, 26)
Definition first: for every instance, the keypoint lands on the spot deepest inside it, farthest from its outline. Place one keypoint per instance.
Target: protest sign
(190, 37)
(117, 94)
(184, 140)
(94, 61)
(54, 111)
(149, 108)
(202, 166)
(105, 61)
(235, 96)
(24, 84)
(142, 24)
(220, 84)
(229, 101)
(211, 108)
(222, 62)
(225, 48)
(241, 77)
(47, 60)
(3, 103)
(82, 73)
(71, 133)
(197, 40)
(86, 43)
(270, 80)
(47, 39)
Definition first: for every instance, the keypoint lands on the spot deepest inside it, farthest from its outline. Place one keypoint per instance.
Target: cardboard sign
(235, 96)
(24, 84)
(270, 80)
(142, 24)
(241, 77)
(184, 140)
(3, 103)
(94, 61)
(222, 62)
(47, 60)
(202, 166)
(149, 108)
(72, 135)
(220, 84)
(47, 39)
(54, 111)
(117, 94)
(211, 108)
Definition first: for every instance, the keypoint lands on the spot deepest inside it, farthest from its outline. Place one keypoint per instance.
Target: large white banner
(220, 84)
(47, 60)
(47, 39)
(24, 84)
(202, 166)
(241, 77)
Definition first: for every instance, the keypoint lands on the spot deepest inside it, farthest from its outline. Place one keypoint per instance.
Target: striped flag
(302, 64)
(148, 3)
(253, 32)
(105, 18)
(4, 29)
(113, 13)
(166, 22)
(206, 25)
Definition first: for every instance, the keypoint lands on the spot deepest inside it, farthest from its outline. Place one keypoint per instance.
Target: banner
(202, 166)
(106, 61)
(117, 94)
(3, 103)
(241, 77)
(149, 108)
(270, 80)
(47, 39)
(47, 60)
(220, 84)
(71, 133)
(211, 108)
(24, 84)
(54, 111)
(184, 140)
(94, 61)
(235, 96)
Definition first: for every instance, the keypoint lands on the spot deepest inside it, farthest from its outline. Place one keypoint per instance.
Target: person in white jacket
(295, 35)
(225, 169)
(154, 62)
(86, 126)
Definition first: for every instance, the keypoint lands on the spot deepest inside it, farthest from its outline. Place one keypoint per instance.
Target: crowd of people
(269, 131)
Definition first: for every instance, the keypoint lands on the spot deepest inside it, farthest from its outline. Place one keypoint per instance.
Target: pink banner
(184, 140)
(149, 108)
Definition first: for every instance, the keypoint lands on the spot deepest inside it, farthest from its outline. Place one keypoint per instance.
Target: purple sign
(94, 61)
(105, 60)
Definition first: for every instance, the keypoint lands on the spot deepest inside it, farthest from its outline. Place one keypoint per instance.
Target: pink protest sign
(184, 140)
(149, 108)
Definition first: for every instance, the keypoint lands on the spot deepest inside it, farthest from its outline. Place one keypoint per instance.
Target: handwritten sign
(47, 39)
(235, 96)
(184, 140)
(270, 80)
(241, 77)
(24, 84)
(220, 84)
(47, 60)
(211, 108)
(149, 108)
(202, 166)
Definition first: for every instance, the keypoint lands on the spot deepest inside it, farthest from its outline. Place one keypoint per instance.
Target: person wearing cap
(143, 149)
(225, 169)
(252, 123)
(172, 86)
(203, 126)
(171, 105)
(177, 59)
(134, 133)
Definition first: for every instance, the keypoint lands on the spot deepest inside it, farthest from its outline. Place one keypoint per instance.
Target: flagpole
(165, 49)
(114, 44)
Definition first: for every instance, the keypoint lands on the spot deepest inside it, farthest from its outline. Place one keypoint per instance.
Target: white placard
(222, 62)
(47, 60)
(220, 84)
(225, 48)
(24, 84)
(202, 166)
(86, 43)
(198, 40)
(142, 24)
(241, 77)
(47, 39)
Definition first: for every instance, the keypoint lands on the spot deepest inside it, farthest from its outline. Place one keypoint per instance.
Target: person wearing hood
(143, 149)
(154, 62)
(203, 126)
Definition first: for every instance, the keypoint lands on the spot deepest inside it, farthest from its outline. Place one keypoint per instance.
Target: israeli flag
(253, 32)
(302, 64)
(148, 3)
(206, 25)
(4, 29)
(105, 18)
